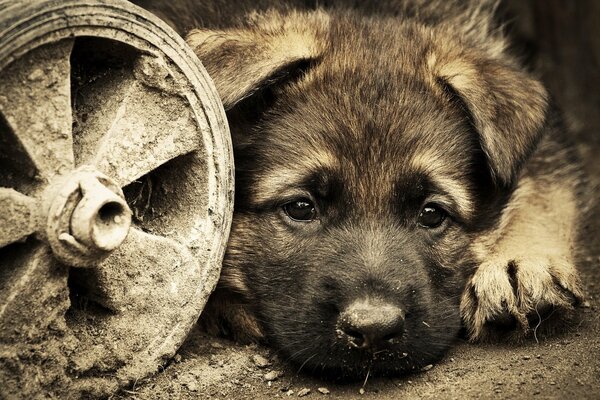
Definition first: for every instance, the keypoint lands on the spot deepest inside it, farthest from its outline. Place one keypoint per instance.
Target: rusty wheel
(115, 194)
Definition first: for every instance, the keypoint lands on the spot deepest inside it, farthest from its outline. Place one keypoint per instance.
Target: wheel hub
(87, 217)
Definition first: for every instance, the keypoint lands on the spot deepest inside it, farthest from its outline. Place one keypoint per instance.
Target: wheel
(116, 195)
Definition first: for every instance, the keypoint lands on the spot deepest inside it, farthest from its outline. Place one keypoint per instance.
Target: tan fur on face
(432, 163)
(275, 183)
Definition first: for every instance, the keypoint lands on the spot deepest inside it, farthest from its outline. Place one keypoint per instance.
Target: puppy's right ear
(263, 52)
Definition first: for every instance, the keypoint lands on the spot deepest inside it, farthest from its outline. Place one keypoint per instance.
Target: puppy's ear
(504, 104)
(262, 52)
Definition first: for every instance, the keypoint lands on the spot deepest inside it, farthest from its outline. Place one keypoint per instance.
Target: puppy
(398, 176)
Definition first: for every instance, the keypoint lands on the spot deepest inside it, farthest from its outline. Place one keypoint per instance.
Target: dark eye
(431, 216)
(301, 210)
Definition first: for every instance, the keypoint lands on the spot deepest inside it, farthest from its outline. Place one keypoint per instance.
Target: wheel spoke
(151, 292)
(33, 290)
(36, 104)
(19, 216)
(132, 122)
(154, 273)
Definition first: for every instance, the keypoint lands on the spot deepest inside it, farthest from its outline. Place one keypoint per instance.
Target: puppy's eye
(431, 216)
(301, 210)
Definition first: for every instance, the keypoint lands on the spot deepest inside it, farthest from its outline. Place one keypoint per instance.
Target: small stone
(323, 390)
(451, 359)
(538, 356)
(260, 361)
(552, 383)
(216, 345)
(586, 304)
(271, 376)
(289, 392)
(36, 75)
(427, 367)
(526, 357)
(303, 392)
(177, 358)
(192, 386)
(361, 391)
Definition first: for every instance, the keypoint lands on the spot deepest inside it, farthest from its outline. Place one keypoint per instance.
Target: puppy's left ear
(505, 105)
(262, 52)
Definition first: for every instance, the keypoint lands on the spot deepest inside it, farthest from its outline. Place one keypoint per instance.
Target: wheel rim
(148, 121)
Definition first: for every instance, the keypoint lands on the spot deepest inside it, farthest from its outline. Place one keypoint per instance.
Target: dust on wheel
(115, 195)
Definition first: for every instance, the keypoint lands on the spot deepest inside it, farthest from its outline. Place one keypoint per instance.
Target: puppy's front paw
(517, 291)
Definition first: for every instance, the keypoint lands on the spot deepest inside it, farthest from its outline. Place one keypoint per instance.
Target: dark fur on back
(185, 15)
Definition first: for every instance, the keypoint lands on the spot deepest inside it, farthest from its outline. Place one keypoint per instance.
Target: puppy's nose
(370, 324)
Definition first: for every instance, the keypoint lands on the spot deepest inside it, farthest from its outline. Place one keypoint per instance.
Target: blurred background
(560, 41)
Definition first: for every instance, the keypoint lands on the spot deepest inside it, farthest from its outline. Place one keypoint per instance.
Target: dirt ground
(561, 367)
(566, 366)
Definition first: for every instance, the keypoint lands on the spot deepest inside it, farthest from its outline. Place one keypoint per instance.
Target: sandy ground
(566, 366)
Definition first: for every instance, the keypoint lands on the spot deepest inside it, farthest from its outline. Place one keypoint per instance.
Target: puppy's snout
(370, 325)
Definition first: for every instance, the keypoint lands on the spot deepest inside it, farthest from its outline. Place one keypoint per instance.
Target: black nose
(370, 324)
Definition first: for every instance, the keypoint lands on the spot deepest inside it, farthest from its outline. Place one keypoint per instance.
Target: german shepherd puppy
(399, 176)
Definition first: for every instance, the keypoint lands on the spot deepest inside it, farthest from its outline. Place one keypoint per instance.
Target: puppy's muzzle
(370, 325)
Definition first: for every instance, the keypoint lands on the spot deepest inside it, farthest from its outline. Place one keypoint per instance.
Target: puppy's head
(368, 155)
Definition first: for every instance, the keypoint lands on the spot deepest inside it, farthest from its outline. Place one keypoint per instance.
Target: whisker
(368, 374)
(304, 363)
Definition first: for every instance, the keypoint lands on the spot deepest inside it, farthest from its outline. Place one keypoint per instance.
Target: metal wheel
(116, 194)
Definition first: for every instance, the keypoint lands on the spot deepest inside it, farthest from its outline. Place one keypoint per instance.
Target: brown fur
(377, 105)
